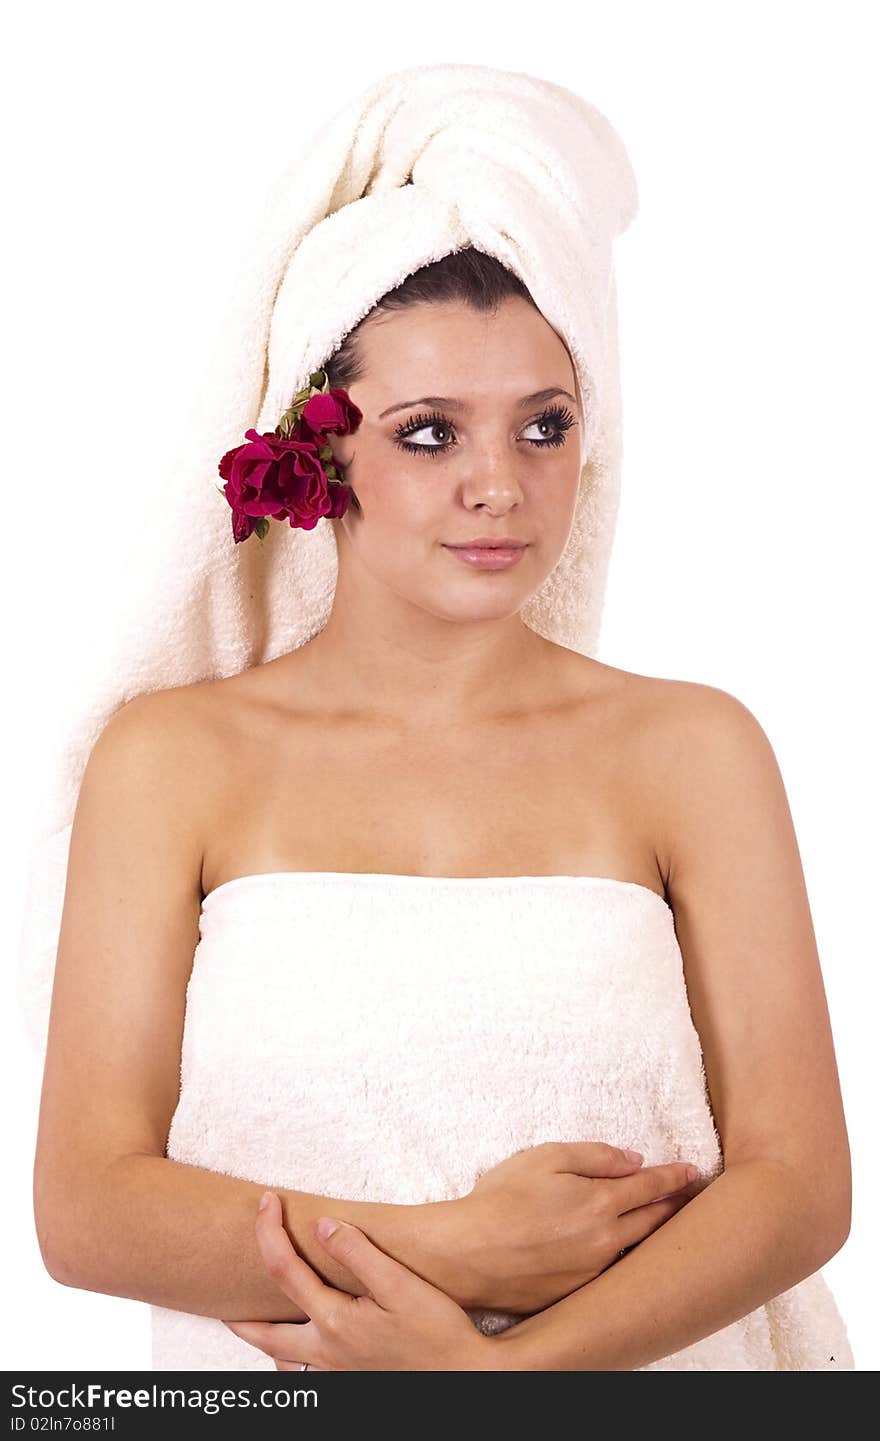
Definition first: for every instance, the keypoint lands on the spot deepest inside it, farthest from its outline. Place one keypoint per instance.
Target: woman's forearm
(751, 1234)
(171, 1234)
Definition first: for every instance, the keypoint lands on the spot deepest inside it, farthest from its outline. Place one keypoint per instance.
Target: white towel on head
(422, 163)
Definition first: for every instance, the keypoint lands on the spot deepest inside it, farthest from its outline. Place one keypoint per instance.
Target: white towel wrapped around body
(437, 1026)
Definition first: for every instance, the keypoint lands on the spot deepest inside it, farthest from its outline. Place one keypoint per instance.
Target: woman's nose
(492, 477)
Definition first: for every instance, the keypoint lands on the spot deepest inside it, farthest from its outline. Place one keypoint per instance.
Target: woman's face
(488, 461)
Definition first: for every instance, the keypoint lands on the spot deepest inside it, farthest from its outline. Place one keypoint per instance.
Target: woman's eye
(442, 439)
(544, 427)
(436, 428)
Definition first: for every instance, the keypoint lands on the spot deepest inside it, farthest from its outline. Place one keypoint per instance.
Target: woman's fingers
(388, 1281)
(286, 1340)
(592, 1158)
(650, 1184)
(273, 1337)
(289, 1342)
(293, 1275)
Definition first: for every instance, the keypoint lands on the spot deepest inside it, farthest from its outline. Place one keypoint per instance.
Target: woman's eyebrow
(534, 399)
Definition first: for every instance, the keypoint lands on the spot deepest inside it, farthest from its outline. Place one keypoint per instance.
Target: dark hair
(467, 275)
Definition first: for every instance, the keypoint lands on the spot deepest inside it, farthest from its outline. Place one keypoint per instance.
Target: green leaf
(261, 527)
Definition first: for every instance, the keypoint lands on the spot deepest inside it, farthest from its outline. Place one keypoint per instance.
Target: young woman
(424, 925)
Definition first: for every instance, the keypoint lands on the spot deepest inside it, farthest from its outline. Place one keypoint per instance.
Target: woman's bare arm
(781, 1209)
(750, 1235)
(181, 1236)
(112, 1212)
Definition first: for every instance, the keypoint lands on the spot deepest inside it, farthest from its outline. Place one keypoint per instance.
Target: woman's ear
(343, 447)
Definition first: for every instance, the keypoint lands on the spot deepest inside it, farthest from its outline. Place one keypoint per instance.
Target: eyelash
(562, 419)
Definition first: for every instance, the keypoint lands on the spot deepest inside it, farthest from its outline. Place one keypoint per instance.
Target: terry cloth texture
(436, 1027)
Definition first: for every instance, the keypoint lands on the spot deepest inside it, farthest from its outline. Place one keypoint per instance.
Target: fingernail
(634, 1155)
(692, 1173)
(327, 1227)
(264, 1200)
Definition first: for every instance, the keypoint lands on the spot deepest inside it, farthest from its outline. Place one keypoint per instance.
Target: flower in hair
(288, 473)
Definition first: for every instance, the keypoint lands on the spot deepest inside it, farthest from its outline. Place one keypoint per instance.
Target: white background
(138, 143)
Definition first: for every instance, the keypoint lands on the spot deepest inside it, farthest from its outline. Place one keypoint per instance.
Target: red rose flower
(332, 411)
(281, 478)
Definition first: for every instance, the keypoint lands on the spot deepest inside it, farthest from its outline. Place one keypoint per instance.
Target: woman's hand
(404, 1324)
(549, 1219)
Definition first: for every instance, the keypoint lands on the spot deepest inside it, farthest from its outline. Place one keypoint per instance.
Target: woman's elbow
(51, 1252)
(832, 1211)
(51, 1217)
(839, 1231)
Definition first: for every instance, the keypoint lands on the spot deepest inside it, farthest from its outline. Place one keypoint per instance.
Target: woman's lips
(487, 557)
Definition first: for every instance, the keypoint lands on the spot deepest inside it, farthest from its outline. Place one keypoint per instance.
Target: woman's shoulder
(669, 700)
(212, 703)
(658, 705)
(671, 733)
(178, 734)
(688, 715)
